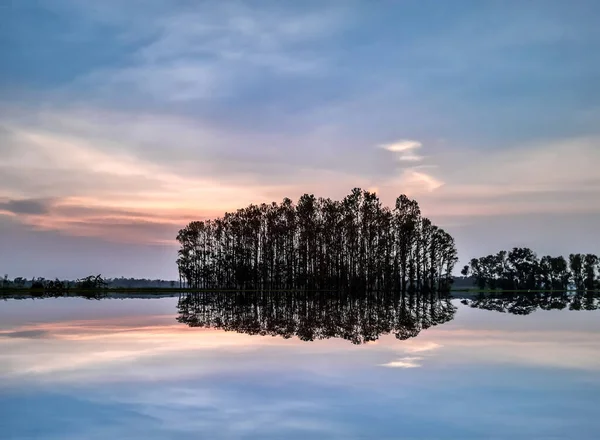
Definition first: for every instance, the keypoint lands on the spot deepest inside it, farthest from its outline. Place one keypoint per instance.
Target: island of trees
(521, 269)
(319, 243)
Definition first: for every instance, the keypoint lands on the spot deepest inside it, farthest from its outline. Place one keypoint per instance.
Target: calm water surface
(73, 368)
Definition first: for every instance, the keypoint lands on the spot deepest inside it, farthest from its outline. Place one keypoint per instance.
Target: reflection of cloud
(419, 347)
(97, 349)
(405, 362)
(413, 346)
(103, 350)
(573, 350)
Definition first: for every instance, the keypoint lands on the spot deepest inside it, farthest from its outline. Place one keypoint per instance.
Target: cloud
(25, 334)
(417, 180)
(410, 158)
(185, 111)
(26, 206)
(108, 173)
(405, 150)
(98, 185)
(413, 180)
(402, 145)
(115, 229)
(95, 349)
(557, 176)
(405, 362)
(211, 52)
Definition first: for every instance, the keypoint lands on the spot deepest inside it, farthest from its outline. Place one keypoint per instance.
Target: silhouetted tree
(92, 282)
(19, 282)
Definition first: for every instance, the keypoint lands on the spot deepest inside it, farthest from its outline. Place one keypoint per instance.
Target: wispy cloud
(212, 52)
(402, 145)
(25, 334)
(405, 150)
(96, 185)
(413, 179)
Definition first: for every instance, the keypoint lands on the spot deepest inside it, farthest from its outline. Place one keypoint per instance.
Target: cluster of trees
(319, 244)
(308, 315)
(521, 269)
(526, 303)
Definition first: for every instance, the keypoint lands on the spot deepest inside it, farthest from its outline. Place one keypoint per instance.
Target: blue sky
(121, 121)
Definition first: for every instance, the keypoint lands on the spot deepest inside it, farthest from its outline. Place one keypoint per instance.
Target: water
(376, 368)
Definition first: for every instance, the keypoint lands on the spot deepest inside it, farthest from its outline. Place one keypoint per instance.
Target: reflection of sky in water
(78, 369)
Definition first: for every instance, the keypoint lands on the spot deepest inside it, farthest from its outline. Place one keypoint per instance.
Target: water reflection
(526, 303)
(357, 317)
(123, 367)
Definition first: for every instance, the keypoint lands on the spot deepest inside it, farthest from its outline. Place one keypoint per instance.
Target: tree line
(318, 243)
(358, 317)
(521, 269)
(91, 281)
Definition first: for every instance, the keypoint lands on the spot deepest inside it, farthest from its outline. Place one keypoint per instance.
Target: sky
(122, 121)
(124, 368)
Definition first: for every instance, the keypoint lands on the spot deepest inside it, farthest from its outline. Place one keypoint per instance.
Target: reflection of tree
(526, 303)
(357, 317)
